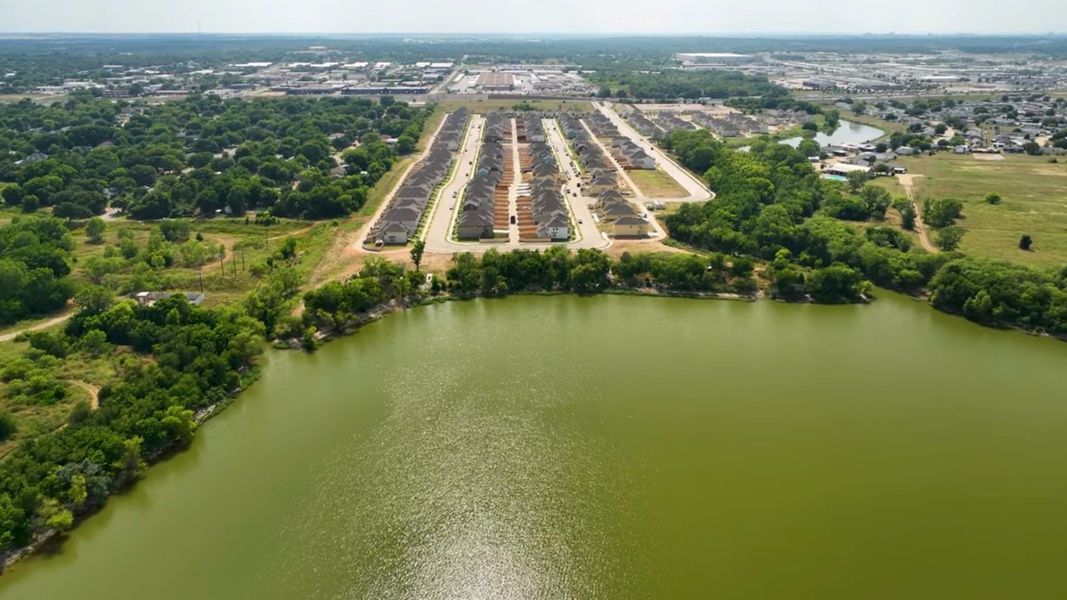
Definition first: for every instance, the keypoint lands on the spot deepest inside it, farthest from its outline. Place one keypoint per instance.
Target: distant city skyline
(712, 17)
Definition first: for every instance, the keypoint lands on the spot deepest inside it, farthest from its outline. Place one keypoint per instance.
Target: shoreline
(15, 556)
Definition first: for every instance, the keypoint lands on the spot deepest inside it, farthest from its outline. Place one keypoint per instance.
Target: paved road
(513, 186)
(694, 187)
(587, 229)
(437, 232)
(582, 203)
(443, 212)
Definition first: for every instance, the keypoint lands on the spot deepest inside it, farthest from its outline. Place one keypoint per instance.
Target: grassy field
(74, 372)
(482, 106)
(656, 183)
(1035, 203)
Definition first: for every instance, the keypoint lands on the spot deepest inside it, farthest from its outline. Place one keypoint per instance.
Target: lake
(849, 132)
(610, 447)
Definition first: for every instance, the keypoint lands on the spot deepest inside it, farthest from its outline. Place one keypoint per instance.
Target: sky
(538, 16)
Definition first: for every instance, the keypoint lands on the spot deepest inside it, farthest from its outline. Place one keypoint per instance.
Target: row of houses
(627, 153)
(542, 212)
(601, 182)
(643, 124)
(481, 197)
(532, 129)
(405, 210)
(669, 122)
(599, 172)
(655, 125)
(729, 125)
(612, 208)
(590, 156)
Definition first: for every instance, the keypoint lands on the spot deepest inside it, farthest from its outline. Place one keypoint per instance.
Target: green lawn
(656, 183)
(1035, 203)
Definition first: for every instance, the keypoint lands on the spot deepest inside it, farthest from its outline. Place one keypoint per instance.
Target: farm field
(1034, 194)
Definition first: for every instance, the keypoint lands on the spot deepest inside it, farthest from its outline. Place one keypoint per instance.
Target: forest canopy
(296, 157)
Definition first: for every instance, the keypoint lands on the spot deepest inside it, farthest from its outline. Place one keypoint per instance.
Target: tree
(941, 212)
(416, 253)
(993, 199)
(1025, 242)
(856, 180)
(174, 230)
(308, 340)
(7, 426)
(809, 148)
(876, 200)
(405, 144)
(907, 218)
(949, 238)
(95, 229)
(177, 423)
(55, 516)
(95, 342)
(836, 283)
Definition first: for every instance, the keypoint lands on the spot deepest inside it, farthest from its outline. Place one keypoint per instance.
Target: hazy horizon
(733, 18)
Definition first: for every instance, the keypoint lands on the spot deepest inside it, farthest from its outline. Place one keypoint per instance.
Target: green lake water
(610, 447)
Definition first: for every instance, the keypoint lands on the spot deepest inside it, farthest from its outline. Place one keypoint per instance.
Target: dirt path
(7, 337)
(93, 390)
(301, 231)
(908, 183)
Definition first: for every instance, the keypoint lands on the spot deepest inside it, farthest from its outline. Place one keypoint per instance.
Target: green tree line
(773, 206)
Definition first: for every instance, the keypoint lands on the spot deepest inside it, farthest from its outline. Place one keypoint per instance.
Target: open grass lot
(656, 183)
(483, 106)
(74, 373)
(1035, 202)
(244, 245)
(890, 184)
